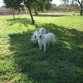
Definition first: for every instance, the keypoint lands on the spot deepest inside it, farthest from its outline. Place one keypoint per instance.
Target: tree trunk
(13, 13)
(35, 12)
(33, 22)
(81, 4)
(81, 11)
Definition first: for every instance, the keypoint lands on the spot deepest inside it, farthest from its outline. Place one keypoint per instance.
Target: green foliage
(80, 2)
(21, 61)
(41, 5)
(28, 3)
(15, 4)
(74, 6)
(69, 6)
(66, 7)
(48, 5)
(54, 6)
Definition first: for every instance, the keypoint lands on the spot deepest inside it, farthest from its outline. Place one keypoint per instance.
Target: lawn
(21, 61)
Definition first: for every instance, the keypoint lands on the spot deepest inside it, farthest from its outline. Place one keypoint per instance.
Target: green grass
(21, 61)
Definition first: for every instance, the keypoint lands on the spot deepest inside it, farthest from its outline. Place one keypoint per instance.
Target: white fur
(42, 30)
(34, 38)
(44, 39)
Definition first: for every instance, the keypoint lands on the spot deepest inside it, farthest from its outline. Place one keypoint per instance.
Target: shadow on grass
(49, 15)
(24, 21)
(60, 64)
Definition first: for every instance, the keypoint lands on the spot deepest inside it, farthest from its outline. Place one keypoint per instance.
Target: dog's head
(41, 32)
(34, 37)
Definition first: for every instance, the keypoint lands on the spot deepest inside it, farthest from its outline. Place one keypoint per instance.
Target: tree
(48, 4)
(36, 4)
(40, 5)
(80, 2)
(28, 4)
(14, 5)
(35, 7)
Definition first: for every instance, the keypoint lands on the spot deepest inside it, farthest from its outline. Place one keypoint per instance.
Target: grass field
(21, 61)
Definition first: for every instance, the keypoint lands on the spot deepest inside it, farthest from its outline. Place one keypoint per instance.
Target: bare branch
(78, 1)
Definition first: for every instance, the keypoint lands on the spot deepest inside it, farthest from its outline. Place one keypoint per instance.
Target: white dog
(34, 38)
(43, 39)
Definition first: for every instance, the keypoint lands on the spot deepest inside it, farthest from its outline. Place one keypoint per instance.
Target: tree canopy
(35, 4)
(15, 4)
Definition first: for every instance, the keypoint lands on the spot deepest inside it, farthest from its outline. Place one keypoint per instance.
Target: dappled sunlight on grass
(56, 64)
(21, 61)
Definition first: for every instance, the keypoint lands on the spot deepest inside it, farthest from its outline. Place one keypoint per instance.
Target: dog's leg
(40, 46)
(44, 47)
